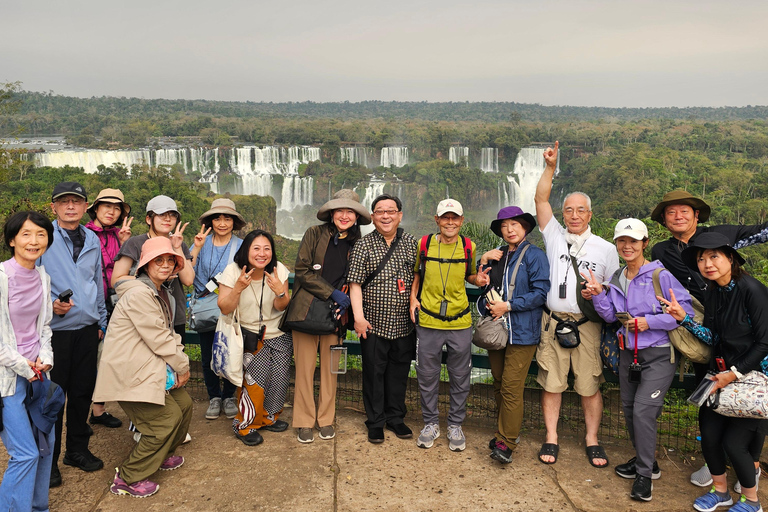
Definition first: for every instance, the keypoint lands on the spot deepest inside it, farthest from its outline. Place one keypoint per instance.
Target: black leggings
(735, 438)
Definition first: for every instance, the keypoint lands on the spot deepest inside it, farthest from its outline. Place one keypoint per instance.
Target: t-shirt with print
(445, 281)
(251, 300)
(132, 249)
(600, 256)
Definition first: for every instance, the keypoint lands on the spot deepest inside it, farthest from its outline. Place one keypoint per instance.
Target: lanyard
(261, 313)
(210, 256)
(635, 341)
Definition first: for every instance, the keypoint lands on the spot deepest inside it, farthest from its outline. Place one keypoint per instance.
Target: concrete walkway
(349, 474)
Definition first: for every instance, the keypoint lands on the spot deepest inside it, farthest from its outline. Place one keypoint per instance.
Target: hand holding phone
(64, 299)
(624, 317)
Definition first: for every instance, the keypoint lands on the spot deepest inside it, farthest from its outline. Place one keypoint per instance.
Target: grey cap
(161, 204)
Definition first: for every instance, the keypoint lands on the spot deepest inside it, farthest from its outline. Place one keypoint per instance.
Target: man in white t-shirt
(563, 244)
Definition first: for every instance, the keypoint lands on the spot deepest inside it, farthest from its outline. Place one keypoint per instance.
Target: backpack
(423, 258)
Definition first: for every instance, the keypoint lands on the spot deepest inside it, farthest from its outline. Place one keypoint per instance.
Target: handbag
(227, 352)
(204, 313)
(493, 334)
(745, 398)
(609, 346)
(586, 306)
(320, 317)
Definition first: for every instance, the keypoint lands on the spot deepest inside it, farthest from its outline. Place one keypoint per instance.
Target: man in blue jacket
(74, 263)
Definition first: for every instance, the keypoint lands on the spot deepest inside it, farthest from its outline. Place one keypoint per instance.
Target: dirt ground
(349, 474)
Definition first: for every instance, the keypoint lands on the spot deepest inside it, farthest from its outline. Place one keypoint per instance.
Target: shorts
(555, 361)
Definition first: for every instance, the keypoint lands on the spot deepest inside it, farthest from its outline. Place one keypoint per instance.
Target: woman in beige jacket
(143, 367)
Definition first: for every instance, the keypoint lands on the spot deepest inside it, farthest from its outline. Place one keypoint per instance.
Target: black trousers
(734, 437)
(386, 364)
(74, 369)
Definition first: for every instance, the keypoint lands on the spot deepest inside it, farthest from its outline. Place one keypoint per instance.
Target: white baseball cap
(449, 205)
(633, 228)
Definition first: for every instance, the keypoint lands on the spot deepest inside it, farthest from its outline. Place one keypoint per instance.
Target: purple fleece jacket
(641, 301)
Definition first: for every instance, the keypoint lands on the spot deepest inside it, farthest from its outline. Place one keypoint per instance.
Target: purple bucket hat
(512, 212)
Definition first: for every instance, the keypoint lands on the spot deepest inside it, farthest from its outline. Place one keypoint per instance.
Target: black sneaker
(628, 469)
(401, 430)
(376, 435)
(641, 489)
(502, 453)
(492, 444)
(252, 438)
(277, 426)
(105, 419)
(83, 460)
(55, 477)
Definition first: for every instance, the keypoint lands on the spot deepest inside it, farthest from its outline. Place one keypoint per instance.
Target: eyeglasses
(167, 215)
(381, 213)
(579, 211)
(72, 200)
(164, 260)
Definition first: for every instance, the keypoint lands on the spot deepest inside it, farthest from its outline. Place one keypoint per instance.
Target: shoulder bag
(745, 398)
(227, 357)
(204, 311)
(586, 306)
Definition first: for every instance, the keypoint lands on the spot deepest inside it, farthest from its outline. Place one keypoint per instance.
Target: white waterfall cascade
(361, 155)
(489, 159)
(91, 159)
(459, 155)
(529, 166)
(372, 191)
(394, 155)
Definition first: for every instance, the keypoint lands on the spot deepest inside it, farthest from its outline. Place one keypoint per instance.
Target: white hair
(589, 200)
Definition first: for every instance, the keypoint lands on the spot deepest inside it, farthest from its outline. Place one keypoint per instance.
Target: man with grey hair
(569, 248)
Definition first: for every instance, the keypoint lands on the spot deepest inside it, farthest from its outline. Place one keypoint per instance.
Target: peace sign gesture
(178, 237)
(125, 232)
(200, 237)
(244, 280)
(594, 287)
(550, 155)
(274, 282)
(673, 307)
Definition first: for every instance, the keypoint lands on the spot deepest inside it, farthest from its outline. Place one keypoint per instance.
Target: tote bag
(227, 358)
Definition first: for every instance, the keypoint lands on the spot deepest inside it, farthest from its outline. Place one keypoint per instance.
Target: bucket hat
(680, 197)
(110, 195)
(224, 206)
(709, 240)
(345, 198)
(158, 246)
(512, 212)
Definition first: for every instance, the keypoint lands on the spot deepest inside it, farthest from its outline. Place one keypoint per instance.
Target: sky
(619, 53)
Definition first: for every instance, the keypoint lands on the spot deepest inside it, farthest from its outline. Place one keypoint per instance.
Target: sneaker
(702, 477)
(642, 488)
(744, 506)
(140, 489)
(172, 462)
(214, 409)
(55, 476)
(277, 426)
(306, 435)
(628, 470)
(502, 453)
(105, 419)
(401, 430)
(252, 438)
(327, 432)
(710, 501)
(737, 486)
(456, 440)
(187, 439)
(136, 437)
(429, 433)
(230, 408)
(85, 461)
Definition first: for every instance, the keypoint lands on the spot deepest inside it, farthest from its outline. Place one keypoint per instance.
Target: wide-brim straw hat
(227, 207)
(158, 246)
(345, 198)
(680, 197)
(709, 240)
(113, 196)
(512, 212)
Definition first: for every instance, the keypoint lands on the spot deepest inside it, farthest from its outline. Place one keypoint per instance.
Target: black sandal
(597, 452)
(550, 449)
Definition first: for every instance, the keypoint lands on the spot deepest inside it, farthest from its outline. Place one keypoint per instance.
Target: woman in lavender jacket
(646, 368)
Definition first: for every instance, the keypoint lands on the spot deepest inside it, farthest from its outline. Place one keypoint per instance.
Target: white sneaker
(429, 433)
(737, 486)
(702, 477)
(456, 440)
(187, 439)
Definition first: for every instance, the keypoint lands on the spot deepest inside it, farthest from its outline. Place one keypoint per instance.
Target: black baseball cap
(68, 188)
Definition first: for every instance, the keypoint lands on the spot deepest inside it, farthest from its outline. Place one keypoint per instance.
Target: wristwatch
(281, 295)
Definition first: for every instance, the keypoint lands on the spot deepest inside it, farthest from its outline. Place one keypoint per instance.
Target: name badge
(317, 266)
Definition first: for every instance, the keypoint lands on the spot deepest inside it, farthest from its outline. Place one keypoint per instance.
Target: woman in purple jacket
(646, 368)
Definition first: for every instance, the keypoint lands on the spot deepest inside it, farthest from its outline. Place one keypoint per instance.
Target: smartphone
(623, 317)
(64, 297)
(492, 295)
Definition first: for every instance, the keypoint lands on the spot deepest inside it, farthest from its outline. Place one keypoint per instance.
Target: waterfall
(358, 155)
(90, 159)
(529, 166)
(394, 155)
(296, 192)
(459, 155)
(489, 159)
(372, 191)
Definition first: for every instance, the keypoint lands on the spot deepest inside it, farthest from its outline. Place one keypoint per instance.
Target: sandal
(597, 452)
(550, 449)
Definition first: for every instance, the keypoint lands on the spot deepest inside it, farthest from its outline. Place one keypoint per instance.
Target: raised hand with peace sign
(125, 232)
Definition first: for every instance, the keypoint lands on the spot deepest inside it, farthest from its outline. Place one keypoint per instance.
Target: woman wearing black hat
(321, 272)
(736, 323)
(523, 311)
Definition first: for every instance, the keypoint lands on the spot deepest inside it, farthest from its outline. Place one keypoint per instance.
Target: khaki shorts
(555, 361)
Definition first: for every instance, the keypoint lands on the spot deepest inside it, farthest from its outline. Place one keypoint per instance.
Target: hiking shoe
(456, 440)
(327, 432)
(140, 489)
(105, 419)
(502, 453)
(306, 435)
(277, 426)
(214, 409)
(628, 469)
(429, 433)
(230, 407)
(737, 486)
(55, 476)
(710, 501)
(702, 477)
(172, 462)
(642, 488)
(85, 461)
(744, 506)
(252, 438)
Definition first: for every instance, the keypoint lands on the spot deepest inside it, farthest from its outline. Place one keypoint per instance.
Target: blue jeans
(25, 483)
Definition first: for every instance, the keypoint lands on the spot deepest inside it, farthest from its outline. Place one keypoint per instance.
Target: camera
(635, 373)
(563, 290)
(212, 285)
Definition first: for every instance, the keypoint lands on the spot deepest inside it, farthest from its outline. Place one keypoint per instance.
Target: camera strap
(635, 355)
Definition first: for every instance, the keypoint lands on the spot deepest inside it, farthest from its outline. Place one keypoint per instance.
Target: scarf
(577, 242)
(110, 246)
